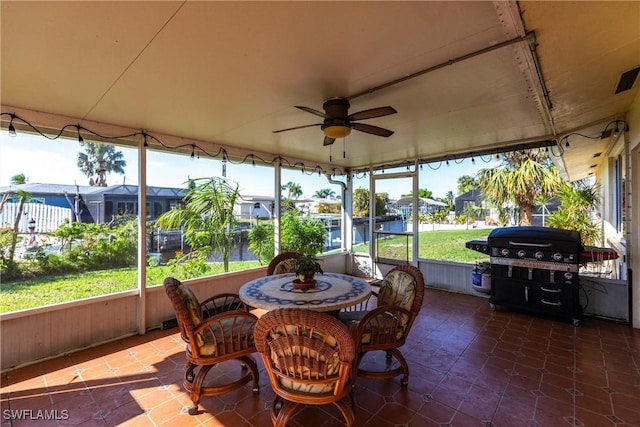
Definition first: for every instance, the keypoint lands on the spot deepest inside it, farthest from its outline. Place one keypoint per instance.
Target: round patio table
(332, 292)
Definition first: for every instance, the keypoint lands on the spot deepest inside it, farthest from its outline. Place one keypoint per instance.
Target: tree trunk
(226, 251)
(5, 198)
(16, 224)
(525, 214)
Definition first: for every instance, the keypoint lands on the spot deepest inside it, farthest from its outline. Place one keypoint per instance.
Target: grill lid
(534, 234)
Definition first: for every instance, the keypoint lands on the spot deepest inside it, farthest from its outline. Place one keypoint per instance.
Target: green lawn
(442, 245)
(446, 245)
(51, 290)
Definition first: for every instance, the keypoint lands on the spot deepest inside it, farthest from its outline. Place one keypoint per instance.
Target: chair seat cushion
(398, 288)
(286, 266)
(193, 307)
(314, 388)
(301, 357)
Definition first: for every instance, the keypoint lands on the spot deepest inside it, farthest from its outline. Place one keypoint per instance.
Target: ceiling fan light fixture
(336, 132)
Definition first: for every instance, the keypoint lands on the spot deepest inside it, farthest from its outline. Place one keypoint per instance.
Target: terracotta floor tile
(628, 415)
(469, 366)
(397, 414)
(480, 403)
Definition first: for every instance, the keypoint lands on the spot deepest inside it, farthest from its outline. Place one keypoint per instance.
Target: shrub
(298, 234)
(261, 242)
(577, 202)
(84, 247)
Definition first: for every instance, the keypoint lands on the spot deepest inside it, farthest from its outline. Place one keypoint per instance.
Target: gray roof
(38, 188)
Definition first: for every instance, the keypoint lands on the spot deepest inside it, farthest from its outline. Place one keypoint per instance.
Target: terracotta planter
(307, 276)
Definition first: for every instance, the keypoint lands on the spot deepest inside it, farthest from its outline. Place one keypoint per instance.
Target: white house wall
(633, 191)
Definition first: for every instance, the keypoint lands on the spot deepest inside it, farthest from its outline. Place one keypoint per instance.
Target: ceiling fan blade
(297, 127)
(372, 113)
(374, 130)
(312, 111)
(328, 140)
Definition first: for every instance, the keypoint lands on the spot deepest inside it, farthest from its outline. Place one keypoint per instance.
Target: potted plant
(306, 267)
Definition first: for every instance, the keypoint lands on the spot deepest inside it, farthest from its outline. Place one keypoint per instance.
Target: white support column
(347, 215)
(277, 206)
(416, 220)
(372, 211)
(632, 237)
(142, 237)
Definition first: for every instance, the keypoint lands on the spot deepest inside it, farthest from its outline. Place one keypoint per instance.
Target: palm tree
(99, 160)
(23, 197)
(324, 193)
(295, 190)
(361, 203)
(15, 180)
(449, 199)
(577, 203)
(466, 183)
(521, 179)
(207, 215)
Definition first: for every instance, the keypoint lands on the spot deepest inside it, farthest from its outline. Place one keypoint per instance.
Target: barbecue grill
(536, 269)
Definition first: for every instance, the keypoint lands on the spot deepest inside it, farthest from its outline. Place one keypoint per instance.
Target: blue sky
(46, 161)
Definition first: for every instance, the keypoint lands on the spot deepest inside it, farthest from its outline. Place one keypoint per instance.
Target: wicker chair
(283, 263)
(217, 330)
(309, 357)
(385, 327)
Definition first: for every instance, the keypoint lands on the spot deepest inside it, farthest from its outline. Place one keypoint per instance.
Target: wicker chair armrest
(383, 324)
(230, 332)
(361, 306)
(240, 315)
(384, 310)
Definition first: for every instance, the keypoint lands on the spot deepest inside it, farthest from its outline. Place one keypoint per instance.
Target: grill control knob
(557, 256)
(539, 255)
(568, 276)
(522, 253)
(504, 252)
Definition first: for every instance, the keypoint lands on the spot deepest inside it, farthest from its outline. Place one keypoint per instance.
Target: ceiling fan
(338, 122)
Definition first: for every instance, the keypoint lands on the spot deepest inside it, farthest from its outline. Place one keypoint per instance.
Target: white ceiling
(227, 74)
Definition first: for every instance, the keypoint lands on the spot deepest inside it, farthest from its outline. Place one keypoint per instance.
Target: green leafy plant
(306, 268)
(307, 263)
(261, 242)
(298, 234)
(577, 203)
(207, 215)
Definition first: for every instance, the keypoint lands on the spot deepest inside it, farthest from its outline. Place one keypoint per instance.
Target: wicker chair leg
(346, 408)
(403, 368)
(189, 375)
(281, 411)
(249, 362)
(403, 364)
(195, 387)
